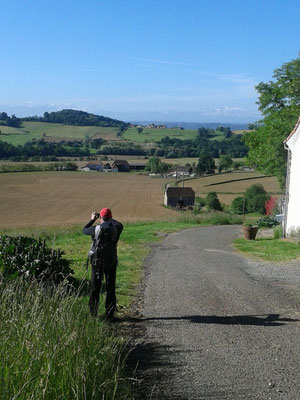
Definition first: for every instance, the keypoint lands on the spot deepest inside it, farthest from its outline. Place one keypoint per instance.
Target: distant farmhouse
(108, 168)
(93, 166)
(179, 195)
(180, 171)
(97, 166)
(153, 126)
(292, 199)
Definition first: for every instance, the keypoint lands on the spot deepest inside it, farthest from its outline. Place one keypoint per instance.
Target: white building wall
(165, 198)
(293, 209)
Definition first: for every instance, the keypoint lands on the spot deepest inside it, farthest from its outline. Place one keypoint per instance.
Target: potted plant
(250, 231)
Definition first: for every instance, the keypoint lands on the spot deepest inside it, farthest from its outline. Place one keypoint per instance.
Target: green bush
(238, 205)
(267, 222)
(212, 202)
(200, 201)
(31, 258)
(256, 198)
(199, 204)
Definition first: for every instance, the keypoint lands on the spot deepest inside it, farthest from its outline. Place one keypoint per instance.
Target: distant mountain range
(194, 125)
(77, 117)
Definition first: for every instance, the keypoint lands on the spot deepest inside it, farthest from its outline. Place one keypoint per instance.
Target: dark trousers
(108, 269)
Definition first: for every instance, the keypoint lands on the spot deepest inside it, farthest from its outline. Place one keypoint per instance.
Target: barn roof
(293, 131)
(121, 162)
(180, 191)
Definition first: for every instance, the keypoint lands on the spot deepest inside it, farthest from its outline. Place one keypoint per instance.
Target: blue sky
(167, 60)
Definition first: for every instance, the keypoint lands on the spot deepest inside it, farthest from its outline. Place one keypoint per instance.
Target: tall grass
(212, 218)
(52, 349)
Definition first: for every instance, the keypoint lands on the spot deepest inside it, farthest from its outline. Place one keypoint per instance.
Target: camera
(97, 215)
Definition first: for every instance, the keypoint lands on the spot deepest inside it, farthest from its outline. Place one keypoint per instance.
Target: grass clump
(268, 249)
(212, 218)
(51, 348)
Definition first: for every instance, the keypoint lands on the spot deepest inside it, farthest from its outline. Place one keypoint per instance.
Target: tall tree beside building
(279, 102)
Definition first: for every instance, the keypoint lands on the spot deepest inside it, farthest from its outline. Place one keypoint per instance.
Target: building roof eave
(293, 132)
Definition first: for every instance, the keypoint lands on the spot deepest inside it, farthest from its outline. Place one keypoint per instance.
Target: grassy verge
(51, 347)
(268, 249)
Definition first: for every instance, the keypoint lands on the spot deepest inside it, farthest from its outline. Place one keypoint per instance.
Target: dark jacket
(89, 229)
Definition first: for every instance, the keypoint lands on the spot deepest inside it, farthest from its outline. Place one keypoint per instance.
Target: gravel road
(215, 324)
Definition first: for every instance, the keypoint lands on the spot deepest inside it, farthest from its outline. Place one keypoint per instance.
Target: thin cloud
(156, 61)
(241, 79)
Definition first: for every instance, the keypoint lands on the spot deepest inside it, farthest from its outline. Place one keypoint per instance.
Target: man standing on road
(103, 255)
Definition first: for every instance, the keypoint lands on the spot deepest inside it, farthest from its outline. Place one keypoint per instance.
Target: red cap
(105, 213)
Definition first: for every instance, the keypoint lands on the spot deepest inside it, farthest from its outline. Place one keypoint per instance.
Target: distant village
(149, 126)
(124, 166)
(115, 166)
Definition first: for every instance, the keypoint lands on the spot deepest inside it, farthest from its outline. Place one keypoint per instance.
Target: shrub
(238, 205)
(256, 198)
(270, 205)
(212, 202)
(200, 201)
(267, 222)
(31, 258)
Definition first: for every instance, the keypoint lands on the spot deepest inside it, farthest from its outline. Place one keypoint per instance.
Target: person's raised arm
(89, 229)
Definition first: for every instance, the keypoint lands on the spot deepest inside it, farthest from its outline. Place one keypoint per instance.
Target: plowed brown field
(232, 184)
(57, 198)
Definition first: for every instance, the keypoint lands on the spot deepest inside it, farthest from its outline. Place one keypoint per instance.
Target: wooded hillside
(76, 117)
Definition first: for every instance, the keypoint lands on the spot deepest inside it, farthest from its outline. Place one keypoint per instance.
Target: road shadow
(254, 320)
(152, 369)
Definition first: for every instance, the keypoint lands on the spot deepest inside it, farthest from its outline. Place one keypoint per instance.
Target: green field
(36, 130)
(155, 135)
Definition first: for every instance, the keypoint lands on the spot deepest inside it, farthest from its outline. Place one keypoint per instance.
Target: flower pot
(250, 232)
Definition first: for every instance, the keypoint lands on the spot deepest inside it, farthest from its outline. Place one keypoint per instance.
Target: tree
(121, 130)
(279, 102)
(238, 205)
(236, 165)
(155, 165)
(212, 202)
(284, 91)
(203, 133)
(206, 164)
(139, 130)
(256, 198)
(227, 133)
(225, 162)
